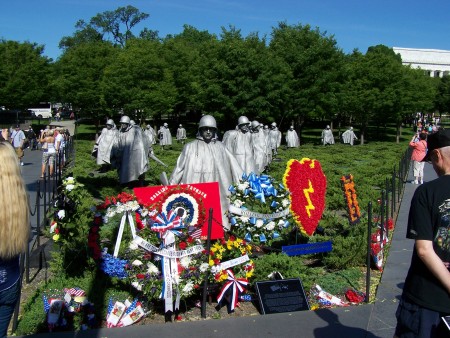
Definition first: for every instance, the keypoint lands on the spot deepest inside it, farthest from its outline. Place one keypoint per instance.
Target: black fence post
(382, 216)
(208, 248)
(369, 239)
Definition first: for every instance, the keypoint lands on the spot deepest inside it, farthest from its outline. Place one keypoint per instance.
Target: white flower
(203, 267)
(285, 202)
(70, 180)
(133, 246)
(137, 286)
(137, 262)
(188, 288)
(152, 269)
(70, 187)
(185, 261)
(244, 219)
(61, 214)
(215, 269)
(243, 186)
(270, 226)
(238, 203)
(259, 223)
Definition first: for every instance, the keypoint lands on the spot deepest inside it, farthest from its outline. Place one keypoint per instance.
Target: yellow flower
(56, 237)
(211, 262)
(249, 274)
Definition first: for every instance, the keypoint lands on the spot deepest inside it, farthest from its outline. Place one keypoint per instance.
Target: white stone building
(435, 62)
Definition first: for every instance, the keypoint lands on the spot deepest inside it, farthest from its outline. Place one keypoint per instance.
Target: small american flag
(195, 232)
(46, 303)
(76, 292)
(131, 307)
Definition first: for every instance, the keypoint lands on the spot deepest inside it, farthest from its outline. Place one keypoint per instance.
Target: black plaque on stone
(285, 295)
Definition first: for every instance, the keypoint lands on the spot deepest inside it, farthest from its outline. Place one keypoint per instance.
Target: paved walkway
(368, 320)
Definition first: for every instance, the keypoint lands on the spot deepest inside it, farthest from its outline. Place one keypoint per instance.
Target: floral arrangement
(259, 209)
(231, 268)
(64, 208)
(377, 248)
(161, 256)
(307, 185)
(348, 187)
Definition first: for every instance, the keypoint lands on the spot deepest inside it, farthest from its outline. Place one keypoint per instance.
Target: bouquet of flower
(259, 209)
(231, 268)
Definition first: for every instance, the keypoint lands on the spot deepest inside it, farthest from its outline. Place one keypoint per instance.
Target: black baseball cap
(437, 140)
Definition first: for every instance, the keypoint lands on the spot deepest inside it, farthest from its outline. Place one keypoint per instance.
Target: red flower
(190, 239)
(183, 245)
(217, 261)
(140, 276)
(57, 231)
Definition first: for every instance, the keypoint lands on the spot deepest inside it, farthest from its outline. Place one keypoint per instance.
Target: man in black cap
(426, 293)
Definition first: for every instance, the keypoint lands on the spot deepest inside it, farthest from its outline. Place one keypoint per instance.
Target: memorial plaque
(285, 295)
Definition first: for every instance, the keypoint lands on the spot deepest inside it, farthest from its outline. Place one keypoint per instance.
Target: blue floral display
(114, 267)
(186, 204)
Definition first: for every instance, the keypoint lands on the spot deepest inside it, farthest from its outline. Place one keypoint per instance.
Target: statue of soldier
(349, 136)
(292, 139)
(165, 137)
(274, 138)
(181, 134)
(130, 153)
(259, 146)
(327, 136)
(207, 160)
(149, 132)
(239, 143)
(104, 144)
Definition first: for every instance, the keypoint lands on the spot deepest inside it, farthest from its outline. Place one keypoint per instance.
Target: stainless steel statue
(105, 142)
(327, 136)
(274, 138)
(259, 146)
(292, 139)
(207, 160)
(349, 136)
(165, 137)
(239, 143)
(181, 134)
(130, 152)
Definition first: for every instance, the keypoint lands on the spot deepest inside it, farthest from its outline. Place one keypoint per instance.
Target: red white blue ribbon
(235, 285)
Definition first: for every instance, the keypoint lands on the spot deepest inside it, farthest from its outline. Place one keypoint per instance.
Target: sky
(355, 24)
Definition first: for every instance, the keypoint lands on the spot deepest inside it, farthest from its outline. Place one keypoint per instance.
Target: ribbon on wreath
(233, 285)
(125, 216)
(168, 225)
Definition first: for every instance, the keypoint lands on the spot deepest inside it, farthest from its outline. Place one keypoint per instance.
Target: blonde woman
(14, 232)
(48, 151)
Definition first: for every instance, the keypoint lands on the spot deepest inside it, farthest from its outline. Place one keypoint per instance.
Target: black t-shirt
(429, 219)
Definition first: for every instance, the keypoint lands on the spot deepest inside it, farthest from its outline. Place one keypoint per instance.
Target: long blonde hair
(14, 210)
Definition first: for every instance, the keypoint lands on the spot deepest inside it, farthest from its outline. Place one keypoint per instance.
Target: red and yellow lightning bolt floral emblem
(307, 185)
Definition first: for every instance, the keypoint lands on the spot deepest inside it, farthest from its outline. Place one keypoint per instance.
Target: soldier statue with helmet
(259, 146)
(274, 138)
(239, 143)
(129, 153)
(104, 144)
(207, 160)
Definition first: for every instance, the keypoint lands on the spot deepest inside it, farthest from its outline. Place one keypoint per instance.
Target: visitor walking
(14, 232)
(17, 140)
(419, 145)
(47, 141)
(426, 291)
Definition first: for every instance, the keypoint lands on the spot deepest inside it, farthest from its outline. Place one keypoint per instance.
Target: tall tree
(78, 75)
(24, 74)
(315, 63)
(140, 82)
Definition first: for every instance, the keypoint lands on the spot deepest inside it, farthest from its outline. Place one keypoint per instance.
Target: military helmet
(166, 125)
(243, 120)
(110, 122)
(207, 121)
(274, 124)
(255, 124)
(125, 119)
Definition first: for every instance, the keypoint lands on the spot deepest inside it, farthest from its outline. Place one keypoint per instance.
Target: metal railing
(389, 204)
(46, 192)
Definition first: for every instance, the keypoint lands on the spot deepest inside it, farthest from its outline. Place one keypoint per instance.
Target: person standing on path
(419, 145)
(14, 232)
(17, 140)
(426, 292)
